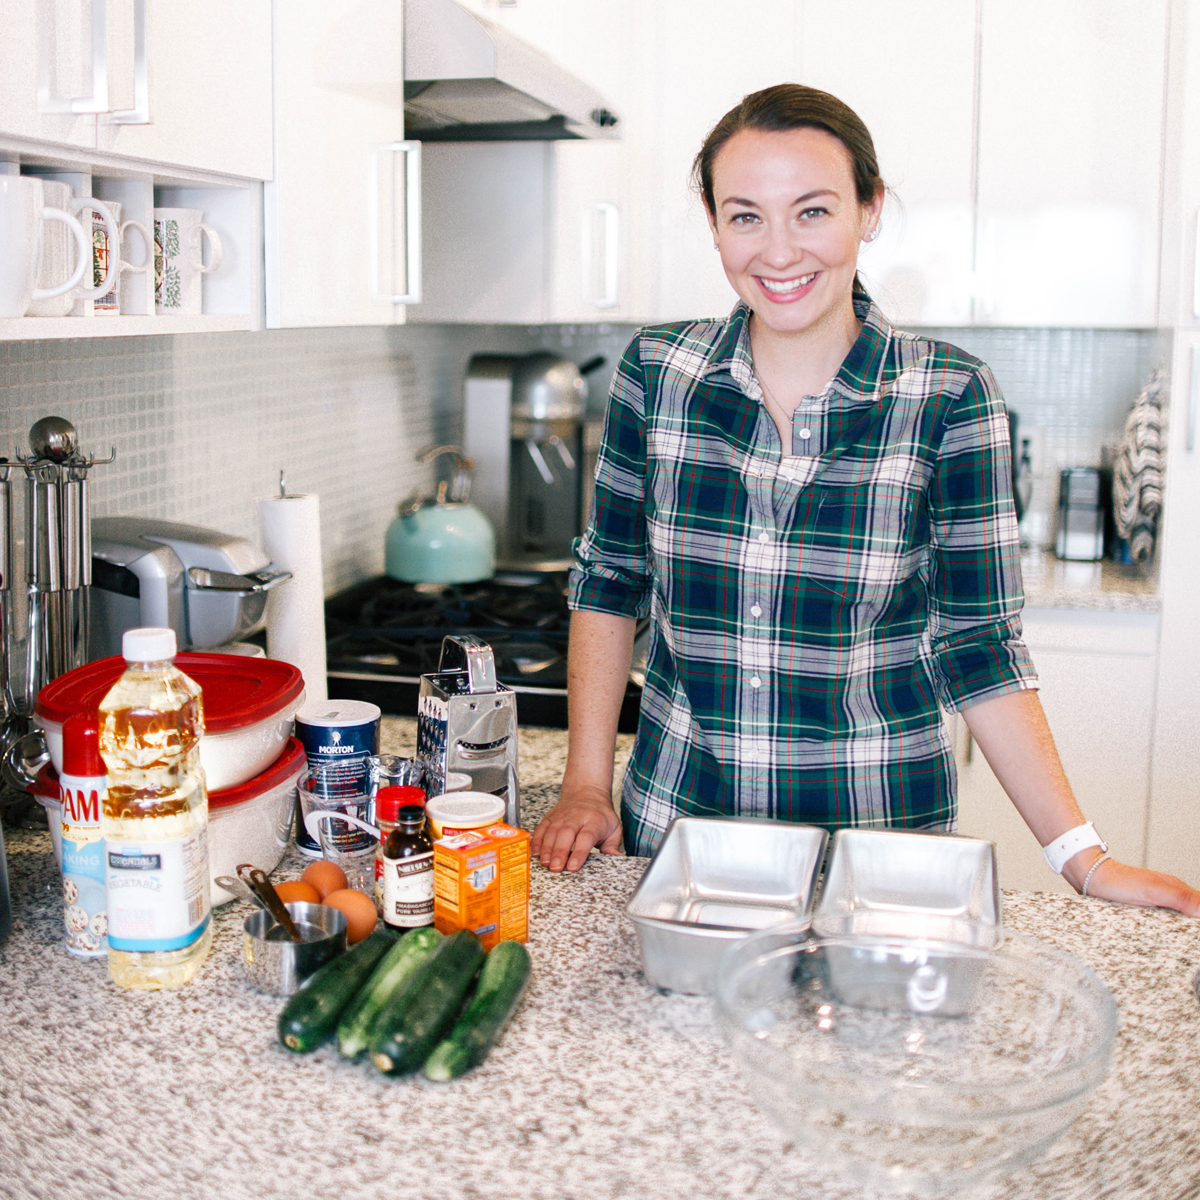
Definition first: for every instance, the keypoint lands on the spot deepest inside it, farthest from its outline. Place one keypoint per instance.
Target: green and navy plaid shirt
(810, 611)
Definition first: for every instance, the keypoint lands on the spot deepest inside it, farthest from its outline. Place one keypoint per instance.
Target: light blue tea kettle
(441, 539)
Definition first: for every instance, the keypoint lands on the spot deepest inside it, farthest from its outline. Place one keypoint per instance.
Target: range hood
(468, 80)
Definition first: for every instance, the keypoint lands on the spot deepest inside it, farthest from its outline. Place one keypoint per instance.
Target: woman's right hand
(584, 817)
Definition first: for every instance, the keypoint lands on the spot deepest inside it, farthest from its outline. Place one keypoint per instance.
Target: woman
(816, 510)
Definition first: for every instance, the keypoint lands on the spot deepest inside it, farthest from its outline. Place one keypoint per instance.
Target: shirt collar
(857, 380)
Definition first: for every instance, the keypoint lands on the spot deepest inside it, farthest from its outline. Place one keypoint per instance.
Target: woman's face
(788, 225)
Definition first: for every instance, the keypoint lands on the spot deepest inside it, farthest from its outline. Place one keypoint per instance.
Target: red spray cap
(390, 800)
(81, 746)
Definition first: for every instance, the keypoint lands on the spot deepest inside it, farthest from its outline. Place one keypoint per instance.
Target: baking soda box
(481, 883)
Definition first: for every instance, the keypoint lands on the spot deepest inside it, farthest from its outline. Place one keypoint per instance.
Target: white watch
(1060, 852)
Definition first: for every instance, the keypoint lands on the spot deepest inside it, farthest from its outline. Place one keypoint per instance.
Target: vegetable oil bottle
(155, 818)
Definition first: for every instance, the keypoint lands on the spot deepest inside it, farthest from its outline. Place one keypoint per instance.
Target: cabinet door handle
(379, 227)
(97, 102)
(604, 219)
(139, 114)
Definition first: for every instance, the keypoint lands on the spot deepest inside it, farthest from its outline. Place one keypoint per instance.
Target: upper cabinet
(47, 67)
(340, 219)
(1071, 97)
(916, 94)
(195, 82)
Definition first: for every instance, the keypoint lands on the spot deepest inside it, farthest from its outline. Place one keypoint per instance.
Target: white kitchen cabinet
(533, 232)
(336, 217)
(47, 44)
(1069, 160)
(915, 93)
(1098, 673)
(208, 86)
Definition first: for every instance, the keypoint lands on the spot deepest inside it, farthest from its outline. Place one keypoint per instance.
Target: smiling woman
(816, 511)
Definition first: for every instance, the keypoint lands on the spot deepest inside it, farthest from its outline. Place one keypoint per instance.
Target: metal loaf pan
(712, 882)
(934, 891)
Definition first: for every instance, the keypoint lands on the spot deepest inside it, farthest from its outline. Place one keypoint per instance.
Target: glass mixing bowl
(915, 1066)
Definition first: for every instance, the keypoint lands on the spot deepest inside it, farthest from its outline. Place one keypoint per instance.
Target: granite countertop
(601, 1087)
(1107, 586)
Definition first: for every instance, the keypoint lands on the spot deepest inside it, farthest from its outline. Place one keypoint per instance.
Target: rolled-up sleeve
(975, 594)
(612, 572)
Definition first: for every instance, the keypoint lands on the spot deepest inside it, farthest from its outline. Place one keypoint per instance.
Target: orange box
(481, 883)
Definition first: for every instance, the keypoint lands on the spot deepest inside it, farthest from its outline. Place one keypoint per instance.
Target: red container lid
(238, 691)
(390, 800)
(287, 764)
(81, 746)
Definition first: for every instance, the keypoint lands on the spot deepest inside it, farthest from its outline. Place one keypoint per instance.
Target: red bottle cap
(390, 800)
(81, 746)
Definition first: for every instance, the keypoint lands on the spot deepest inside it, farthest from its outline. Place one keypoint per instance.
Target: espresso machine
(526, 433)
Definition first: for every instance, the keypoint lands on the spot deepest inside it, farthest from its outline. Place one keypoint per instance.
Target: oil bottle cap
(412, 814)
(390, 800)
(81, 746)
(148, 645)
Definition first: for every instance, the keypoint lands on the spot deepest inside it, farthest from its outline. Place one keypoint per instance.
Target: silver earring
(715, 246)
(872, 235)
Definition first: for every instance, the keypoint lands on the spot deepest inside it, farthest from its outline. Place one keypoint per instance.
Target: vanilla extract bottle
(407, 867)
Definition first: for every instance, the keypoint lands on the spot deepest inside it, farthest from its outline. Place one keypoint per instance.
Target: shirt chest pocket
(862, 539)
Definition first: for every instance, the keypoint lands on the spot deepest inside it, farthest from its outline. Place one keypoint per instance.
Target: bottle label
(158, 893)
(84, 911)
(408, 891)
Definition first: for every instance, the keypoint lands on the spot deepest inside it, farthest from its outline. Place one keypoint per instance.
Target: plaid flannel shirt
(810, 611)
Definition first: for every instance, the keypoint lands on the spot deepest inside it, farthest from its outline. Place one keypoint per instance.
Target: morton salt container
(339, 738)
(83, 790)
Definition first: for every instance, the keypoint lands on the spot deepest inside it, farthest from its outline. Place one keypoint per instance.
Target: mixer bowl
(902, 1096)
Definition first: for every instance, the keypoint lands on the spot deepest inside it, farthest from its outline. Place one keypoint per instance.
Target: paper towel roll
(291, 534)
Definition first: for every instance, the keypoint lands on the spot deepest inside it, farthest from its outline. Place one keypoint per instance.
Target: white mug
(104, 250)
(178, 259)
(57, 253)
(23, 212)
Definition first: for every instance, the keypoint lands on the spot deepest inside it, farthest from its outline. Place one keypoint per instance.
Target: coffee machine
(526, 434)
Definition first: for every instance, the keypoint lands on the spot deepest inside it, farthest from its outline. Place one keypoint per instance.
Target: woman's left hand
(1135, 885)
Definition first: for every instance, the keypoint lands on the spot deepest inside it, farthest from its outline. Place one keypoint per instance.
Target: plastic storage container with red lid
(251, 822)
(249, 704)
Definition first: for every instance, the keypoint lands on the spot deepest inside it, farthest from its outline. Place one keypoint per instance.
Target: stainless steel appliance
(382, 636)
(467, 722)
(467, 79)
(210, 587)
(1081, 514)
(525, 431)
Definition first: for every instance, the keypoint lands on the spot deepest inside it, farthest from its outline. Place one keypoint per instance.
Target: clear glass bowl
(916, 1066)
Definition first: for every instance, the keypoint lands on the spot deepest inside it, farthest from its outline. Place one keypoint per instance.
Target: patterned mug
(179, 260)
(108, 257)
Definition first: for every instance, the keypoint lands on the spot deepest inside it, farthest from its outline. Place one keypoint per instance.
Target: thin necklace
(769, 397)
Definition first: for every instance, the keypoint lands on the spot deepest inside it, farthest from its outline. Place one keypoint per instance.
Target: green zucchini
(311, 1015)
(413, 948)
(424, 1009)
(499, 992)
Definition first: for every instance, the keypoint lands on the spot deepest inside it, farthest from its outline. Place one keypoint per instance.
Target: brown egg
(326, 877)
(360, 912)
(295, 891)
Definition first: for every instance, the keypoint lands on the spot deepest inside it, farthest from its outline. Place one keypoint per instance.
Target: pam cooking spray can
(82, 784)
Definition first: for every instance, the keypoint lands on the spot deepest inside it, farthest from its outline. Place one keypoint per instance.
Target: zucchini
(413, 948)
(499, 992)
(420, 1015)
(311, 1015)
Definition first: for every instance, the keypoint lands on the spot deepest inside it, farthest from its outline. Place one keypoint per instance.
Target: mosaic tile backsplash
(204, 423)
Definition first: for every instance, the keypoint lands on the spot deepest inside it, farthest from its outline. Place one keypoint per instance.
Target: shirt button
(764, 537)
(755, 681)
(756, 610)
(804, 434)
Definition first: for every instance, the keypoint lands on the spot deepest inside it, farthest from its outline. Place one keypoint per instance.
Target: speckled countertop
(601, 1087)
(1107, 586)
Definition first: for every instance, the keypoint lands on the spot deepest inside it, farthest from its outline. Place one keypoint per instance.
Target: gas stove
(382, 636)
